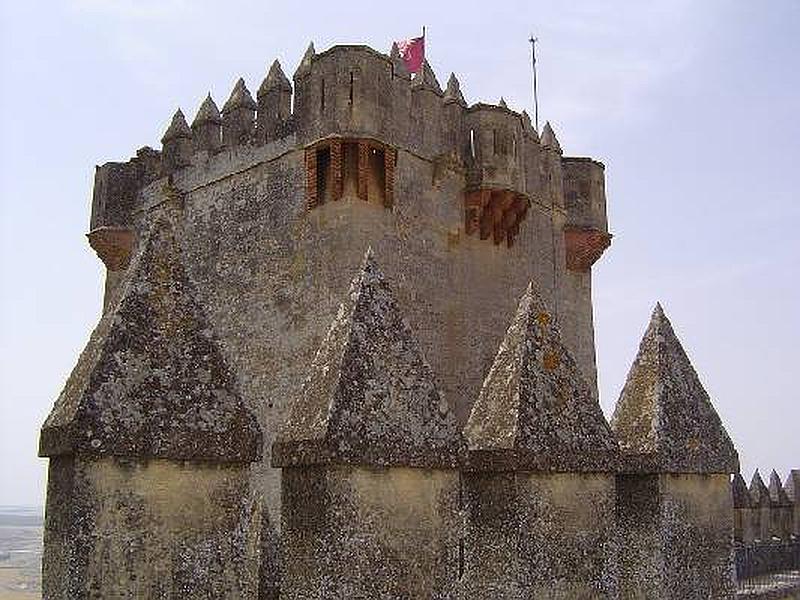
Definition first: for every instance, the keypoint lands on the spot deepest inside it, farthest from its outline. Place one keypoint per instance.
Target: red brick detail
(113, 245)
(336, 166)
(363, 169)
(311, 177)
(389, 158)
(584, 247)
(493, 212)
(474, 203)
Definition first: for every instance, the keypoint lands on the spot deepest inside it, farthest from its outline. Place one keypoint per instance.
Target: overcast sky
(693, 106)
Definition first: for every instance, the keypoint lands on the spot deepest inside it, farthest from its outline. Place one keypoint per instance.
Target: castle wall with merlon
(347, 350)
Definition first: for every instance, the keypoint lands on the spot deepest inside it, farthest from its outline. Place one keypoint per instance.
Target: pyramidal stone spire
(453, 91)
(207, 113)
(426, 78)
(305, 63)
(275, 79)
(664, 419)
(502, 103)
(549, 138)
(178, 128)
(776, 492)
(759, 493)
(740, 493)
(240, 98)
(152, 382)
(400, 69)
(535, 411)
(370, 397)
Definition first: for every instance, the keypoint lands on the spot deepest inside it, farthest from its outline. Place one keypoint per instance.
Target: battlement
(367, 100)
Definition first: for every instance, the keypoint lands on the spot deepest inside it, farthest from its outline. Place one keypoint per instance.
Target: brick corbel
(363, 169)
(113, 245)
(584, 246)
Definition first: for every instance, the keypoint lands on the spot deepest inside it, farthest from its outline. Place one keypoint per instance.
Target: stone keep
(674, 504)
(462, 205)
(430, 439)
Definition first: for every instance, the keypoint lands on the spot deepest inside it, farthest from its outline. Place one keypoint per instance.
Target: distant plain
(20, 552)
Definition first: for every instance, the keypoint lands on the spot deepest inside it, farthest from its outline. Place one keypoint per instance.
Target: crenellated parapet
(766, 513)
(368, 102)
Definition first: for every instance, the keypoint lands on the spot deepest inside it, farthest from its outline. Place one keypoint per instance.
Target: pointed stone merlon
(274, 104)
(151, 431)
(399, 69)
(426, 79)
(453, 92)
(540, 479)
(676, 477)
(177, 143)
(238, 116)
(782, 510)
(207, 127)
(761, 504)
(742, 507)
(368, 445)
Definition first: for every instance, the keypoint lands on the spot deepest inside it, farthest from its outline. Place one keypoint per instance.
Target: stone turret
(151, 432)
(369, 456)
(238, 116)
(540, 487)
(207, 127)
(274, 104)
(673, 496)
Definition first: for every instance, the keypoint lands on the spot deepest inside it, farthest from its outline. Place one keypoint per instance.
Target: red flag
(412, 52)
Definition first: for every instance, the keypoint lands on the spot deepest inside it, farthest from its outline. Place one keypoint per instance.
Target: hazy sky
(693, 106)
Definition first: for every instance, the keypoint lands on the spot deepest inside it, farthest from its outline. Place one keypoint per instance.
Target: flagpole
(533, 41)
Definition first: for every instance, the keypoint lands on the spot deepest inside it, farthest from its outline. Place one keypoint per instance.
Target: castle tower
(540, 488)
(369, 458)
(149, 445)
(363, 155)
(673, 497)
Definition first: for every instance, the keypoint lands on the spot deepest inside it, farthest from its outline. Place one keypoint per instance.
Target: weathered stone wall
(675, 536)
(353, 532)
(532, 535)
(123, 529)
(270, 273)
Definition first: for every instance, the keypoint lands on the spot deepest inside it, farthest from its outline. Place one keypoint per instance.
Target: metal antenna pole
(533, 41)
